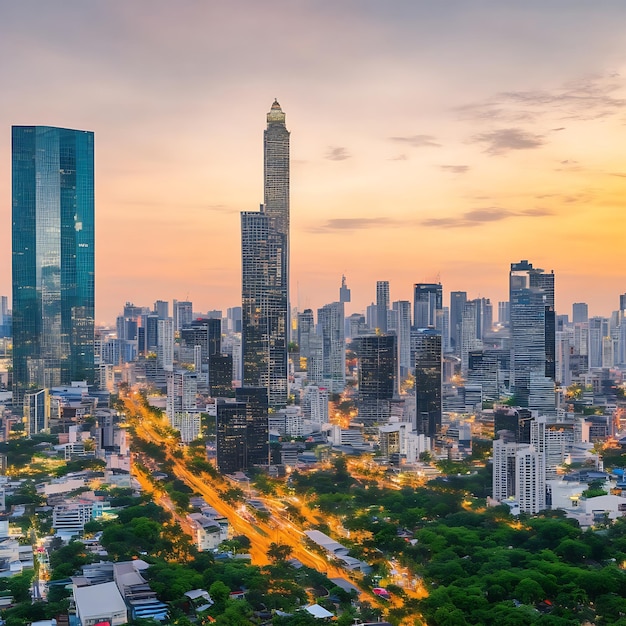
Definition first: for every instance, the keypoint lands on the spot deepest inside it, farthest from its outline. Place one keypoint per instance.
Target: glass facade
(377, 376)
(264, 308)
(53, 257)
(265, 270)
(533, 336)
(428, 374)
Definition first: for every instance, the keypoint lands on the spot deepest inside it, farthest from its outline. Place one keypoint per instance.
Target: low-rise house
(100, 603)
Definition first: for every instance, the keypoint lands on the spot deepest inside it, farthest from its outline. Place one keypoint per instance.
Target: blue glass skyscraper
(53, 257)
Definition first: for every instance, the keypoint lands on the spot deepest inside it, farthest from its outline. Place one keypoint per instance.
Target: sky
(430, 141)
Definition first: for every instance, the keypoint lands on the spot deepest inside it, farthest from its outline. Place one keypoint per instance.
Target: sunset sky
(430, 140)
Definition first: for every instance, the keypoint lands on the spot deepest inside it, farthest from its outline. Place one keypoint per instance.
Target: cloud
(507, 139)
(588, 98)
(355, 223)
(417, 141)
(400, 157)
(455, 169)
(477, 217)
(337, 153)
(188, 206)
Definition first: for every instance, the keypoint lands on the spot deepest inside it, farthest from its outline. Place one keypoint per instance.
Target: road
(262, 534)
(278, 529)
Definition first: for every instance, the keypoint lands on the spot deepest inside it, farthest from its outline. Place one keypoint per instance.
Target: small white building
(208, 533)
(598, 510)
(100, 603)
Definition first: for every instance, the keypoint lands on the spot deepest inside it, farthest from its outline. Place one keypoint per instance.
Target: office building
(36, 411)
(428, 305)
(330, 320)
(221, 376)
(377, 357)
(533, 338)
(233, 316)
(182, 311)
(344, 291)
(356, 325)
(402, 309)
(265, 270)
(457, 305)
(382, 304)
(257, 424)
(231, 437)
(580, 312)
(161, 309)
(53, 257)
(165, 343)
(504, 313)
(5, 317)
(470, 338)
(426, 345)
(243, 431)
(306, 328)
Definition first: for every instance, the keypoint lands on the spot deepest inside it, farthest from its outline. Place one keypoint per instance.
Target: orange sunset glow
(429, 141)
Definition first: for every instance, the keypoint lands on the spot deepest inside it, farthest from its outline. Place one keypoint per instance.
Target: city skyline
(431, 143)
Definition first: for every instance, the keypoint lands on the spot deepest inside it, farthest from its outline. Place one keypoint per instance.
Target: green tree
(279, 553)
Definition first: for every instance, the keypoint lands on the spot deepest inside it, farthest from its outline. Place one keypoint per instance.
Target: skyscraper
(265, 270)
(382, 304)
(344, 291)
(403, 331)
(53, 257)
(330, 319)
(533, 346)
(428, 380)
(428, 305)
(377, 376)
(457, 304)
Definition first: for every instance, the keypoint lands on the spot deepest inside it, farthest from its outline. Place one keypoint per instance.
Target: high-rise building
(36, 411)
(231, 427)
(233, 314)
(53, 257)
(243, 431)
(221, 376)
(344, 291)
(182, 313)
(5, 317)
(182, 389)
(533, 338)
(428, 381)
(377, 376)
(330, 320)
(306, 328)
(265, 270)
(580, 312)
(519, 473)
(165, 343)
(428, 306)
(402, 308)
(504, 313)
(470, 338)
(161, 309)
(457, 304)
(382, 304)
(257, 424)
